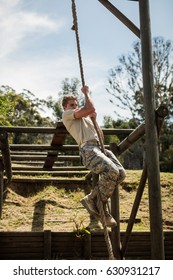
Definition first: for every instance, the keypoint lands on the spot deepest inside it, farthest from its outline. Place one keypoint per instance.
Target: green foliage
(132, 158)
(5, 108)
(126, 84)
(68, 87)
(108, 123)
(21, 109)
(80, 230)
(126, 90)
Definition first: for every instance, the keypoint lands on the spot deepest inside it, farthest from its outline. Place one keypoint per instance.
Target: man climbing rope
(78, 123)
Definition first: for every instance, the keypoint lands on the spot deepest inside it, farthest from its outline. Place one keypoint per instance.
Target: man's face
(71, 105)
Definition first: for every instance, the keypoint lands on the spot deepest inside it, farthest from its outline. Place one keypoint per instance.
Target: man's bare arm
(88, 108)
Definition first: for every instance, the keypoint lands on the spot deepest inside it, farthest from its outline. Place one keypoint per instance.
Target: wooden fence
(66, 245)
(57, 159)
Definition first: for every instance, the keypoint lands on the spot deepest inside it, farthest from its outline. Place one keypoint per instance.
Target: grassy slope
(60, 210)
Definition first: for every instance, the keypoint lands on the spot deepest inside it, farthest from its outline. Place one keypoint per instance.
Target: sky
(38, 48)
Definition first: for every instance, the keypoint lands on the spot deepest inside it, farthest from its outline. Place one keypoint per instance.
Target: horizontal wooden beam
(136, 134)
(30, 147)
(129, 140)
(51, 173)
(23, 129)
(121, 17)
(33, 147)
(55, 180)
(60, 168)
(42, 158)
(61, 129)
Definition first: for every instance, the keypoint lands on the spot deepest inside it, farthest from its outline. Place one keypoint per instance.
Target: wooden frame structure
(152, 151)
(45, 157)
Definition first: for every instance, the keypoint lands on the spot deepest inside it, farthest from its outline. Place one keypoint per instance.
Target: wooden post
(87, 246)
(161, 113)
(47, 244)
(135, 135)
(121, 17)
(6, 154)
(1, 186)
(115, 211)
(134, 209)
(152, 153)
(57, 140)
(115, 231)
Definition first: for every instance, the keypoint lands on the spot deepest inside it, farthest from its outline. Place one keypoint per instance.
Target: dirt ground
(54, 208)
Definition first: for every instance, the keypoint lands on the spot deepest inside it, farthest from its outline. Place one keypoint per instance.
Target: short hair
(66, 98)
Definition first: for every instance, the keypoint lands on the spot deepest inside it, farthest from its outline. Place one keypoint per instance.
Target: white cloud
(17, 24)
(43, 77)
(42, 71)
(9, 4)
(40, 76)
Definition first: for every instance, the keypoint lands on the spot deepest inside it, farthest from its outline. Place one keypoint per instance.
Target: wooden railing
(66, 245)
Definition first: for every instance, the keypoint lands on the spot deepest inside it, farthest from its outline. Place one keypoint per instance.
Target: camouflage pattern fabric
(110, 170)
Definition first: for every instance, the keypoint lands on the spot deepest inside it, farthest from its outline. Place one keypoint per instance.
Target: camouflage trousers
(110, 170)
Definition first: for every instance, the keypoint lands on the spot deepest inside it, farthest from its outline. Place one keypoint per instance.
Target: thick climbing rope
(100, 204)
(75, 28)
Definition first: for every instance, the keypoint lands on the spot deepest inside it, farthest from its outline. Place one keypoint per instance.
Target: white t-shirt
(82, 129)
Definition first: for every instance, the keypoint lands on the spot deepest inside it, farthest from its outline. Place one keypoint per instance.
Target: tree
(68, 87)
(133, 157)
(126, 89)
(21, 109)
(5, 108)
(125, 81)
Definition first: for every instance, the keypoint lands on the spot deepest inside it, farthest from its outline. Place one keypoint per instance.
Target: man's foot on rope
(110, 221)
(90, 205)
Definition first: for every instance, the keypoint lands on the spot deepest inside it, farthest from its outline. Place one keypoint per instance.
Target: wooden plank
(1, 186)
(133, 137)
(61, 129)
(43, 158)
(35, 244)
(55, 180)
(20, 249)
(39, 147)
(23, 129)
(30, 153)
(60, 168)
(57, 140)
(30, 147)
(66, 248)
(121, 17)
(22, 234)
(21, 256)
(52, 173)
(47, 244)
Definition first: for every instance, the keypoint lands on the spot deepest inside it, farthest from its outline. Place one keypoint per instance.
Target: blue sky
(38, 48)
